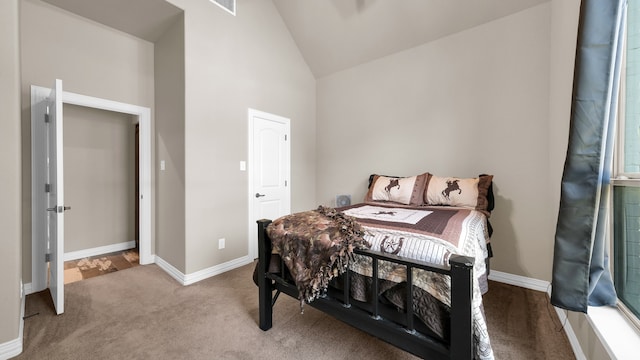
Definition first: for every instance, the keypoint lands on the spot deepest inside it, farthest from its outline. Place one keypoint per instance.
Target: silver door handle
(59, 209)
(259, 195)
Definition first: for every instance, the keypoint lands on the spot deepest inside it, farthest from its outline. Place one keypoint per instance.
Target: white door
(47, 139)
(269, 171)
(55, 196)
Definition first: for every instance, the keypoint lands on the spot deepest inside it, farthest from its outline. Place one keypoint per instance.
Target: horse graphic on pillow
(452, 185)
(392, 183)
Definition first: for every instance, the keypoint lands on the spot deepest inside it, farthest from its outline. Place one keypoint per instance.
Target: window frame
(624, 310)
(620, 178)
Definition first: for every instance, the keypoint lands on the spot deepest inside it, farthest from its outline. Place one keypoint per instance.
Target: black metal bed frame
(371, 318)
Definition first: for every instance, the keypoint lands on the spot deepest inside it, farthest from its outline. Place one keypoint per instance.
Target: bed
(418, 243)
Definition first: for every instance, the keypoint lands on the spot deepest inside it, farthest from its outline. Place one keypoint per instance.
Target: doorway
(269, 171)
(100, 186)
(40, 247)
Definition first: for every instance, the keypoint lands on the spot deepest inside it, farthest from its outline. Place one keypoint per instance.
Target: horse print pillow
(452, 191)
(406, 190)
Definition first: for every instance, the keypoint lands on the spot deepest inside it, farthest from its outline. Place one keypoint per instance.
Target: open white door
(55, 195)
(269, 171)
(47, 227)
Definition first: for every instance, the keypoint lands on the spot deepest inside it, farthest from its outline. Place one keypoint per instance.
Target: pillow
(463, 192)
(404, 190)
(485, 193)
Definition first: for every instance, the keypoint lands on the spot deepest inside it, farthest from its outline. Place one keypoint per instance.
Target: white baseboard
(27, 289)
(216, 270)
(573, 339)
(188, 279)
(74, 255)
(544, 286)
(11, 349)
(170, 269)
(521, 281)
(14, 347)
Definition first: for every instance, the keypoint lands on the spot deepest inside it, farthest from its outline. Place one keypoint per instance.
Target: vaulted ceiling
(332, 35)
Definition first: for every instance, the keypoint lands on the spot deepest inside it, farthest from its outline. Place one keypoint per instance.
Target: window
(626, 181)
(626, 245)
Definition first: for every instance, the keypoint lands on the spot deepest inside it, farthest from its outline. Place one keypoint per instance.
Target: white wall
(91, 59)
(232, 64)
(170, 145)
(470, 103)
(10, 176)
(99, 178)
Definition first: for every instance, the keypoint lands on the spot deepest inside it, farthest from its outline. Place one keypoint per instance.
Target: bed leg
(264, 284)
(461, 307)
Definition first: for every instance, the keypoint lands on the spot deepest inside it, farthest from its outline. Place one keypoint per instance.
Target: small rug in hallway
(80, 269)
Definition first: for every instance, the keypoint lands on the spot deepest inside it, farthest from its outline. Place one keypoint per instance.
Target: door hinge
(47, 188)
(285, 183)
(47, 257)
(285, 137)
(46, 118)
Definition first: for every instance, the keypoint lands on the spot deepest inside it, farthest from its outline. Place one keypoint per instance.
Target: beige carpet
(142, 313)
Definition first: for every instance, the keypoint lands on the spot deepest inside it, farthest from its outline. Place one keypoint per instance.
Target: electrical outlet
(221, 243)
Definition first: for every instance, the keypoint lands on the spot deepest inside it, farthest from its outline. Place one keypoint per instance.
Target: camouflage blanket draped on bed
(317, 246)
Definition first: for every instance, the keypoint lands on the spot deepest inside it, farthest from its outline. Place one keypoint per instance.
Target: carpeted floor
(142, 313)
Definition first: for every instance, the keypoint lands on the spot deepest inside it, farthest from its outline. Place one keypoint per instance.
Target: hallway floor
(80, 269)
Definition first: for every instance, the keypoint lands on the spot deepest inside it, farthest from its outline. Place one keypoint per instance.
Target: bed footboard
(403, 335)
(265, 284)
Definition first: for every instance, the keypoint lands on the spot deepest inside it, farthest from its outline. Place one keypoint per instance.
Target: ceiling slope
(334, 35)
(146, 19)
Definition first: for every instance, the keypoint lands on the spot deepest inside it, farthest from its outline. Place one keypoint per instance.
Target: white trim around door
(142, 116)
(255, 116)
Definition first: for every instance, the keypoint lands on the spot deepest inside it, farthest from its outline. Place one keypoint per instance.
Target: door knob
(259, 195)
(59, 209)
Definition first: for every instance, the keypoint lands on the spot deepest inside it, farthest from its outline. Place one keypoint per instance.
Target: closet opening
(101, 157)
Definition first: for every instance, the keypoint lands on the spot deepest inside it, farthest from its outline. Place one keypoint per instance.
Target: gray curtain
(581, 274)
